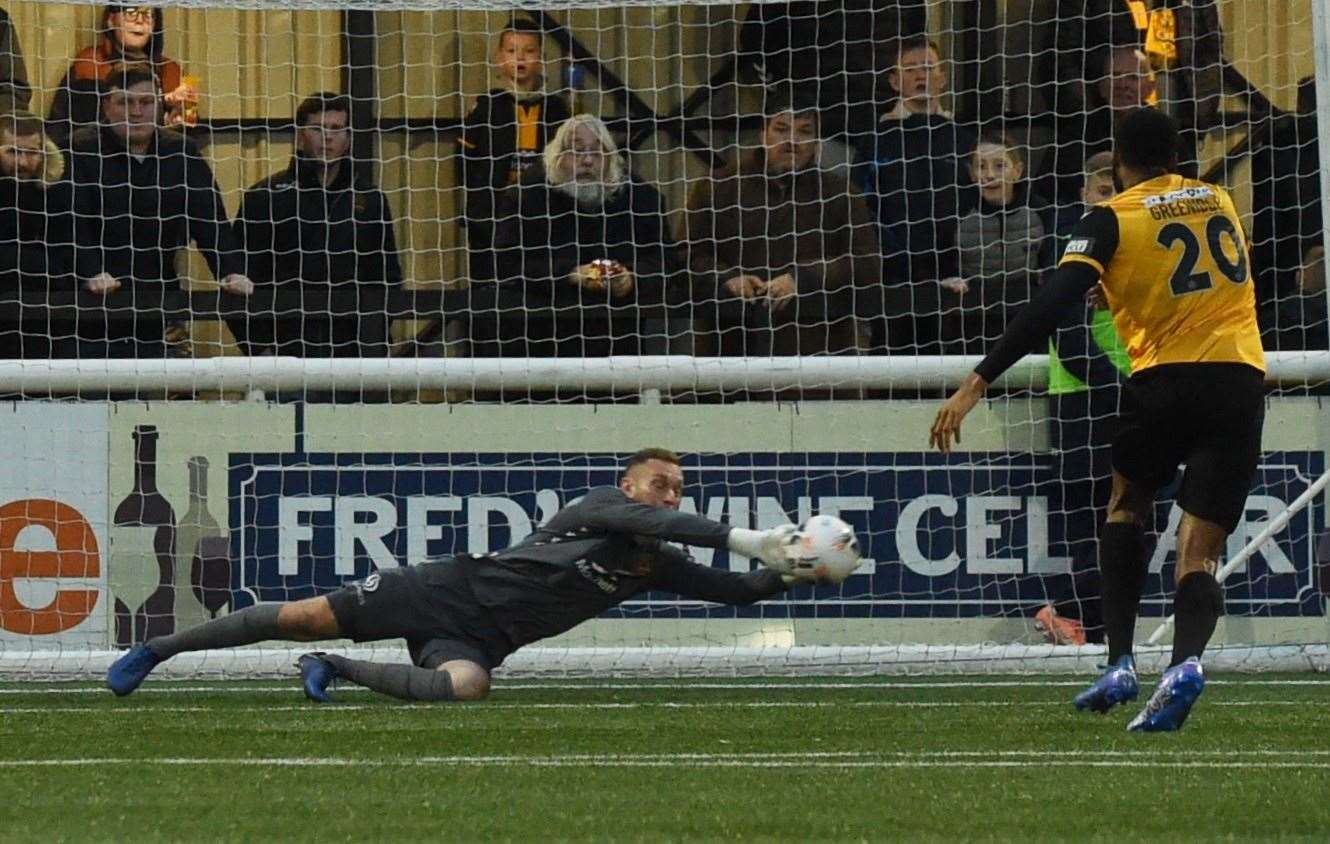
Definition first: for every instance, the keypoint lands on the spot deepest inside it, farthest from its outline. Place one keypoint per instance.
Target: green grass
(873, 758)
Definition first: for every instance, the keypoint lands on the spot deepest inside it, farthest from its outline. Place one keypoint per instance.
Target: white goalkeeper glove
(773, 548)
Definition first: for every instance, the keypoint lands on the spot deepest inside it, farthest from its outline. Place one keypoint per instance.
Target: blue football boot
(1168, 707)
(316, 675)
(1116, 685)
(127, 672)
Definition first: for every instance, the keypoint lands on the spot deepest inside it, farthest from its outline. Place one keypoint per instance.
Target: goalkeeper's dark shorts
(1208, 416)
(432, 606)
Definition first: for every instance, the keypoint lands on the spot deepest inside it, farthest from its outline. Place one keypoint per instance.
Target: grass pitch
(808, 759)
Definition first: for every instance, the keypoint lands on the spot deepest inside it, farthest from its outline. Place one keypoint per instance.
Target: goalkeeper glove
(773, 548)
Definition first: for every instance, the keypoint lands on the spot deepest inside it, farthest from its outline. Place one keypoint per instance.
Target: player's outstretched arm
(1030, 329)
(675, 572)
(610, 510)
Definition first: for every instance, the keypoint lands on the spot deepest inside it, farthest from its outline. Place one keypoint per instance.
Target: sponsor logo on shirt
(1198, 192)
(1080, 246)
(362, 587)
(603, 580)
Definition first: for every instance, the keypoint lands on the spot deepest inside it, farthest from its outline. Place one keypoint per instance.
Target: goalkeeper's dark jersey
(599, 552)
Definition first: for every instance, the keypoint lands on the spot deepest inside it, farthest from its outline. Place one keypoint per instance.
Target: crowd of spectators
(927, 243)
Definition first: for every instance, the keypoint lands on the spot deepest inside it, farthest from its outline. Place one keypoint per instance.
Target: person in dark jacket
(462, 616)
(786, 252)
(141, 194)
(916, 178)
(1298, 320)
(15, 92)
(126, 35)
(839, 51)
(36, 228)
(583, 239)
(504, 136)
(1286, 200)
(320, 224)
(1122, 79)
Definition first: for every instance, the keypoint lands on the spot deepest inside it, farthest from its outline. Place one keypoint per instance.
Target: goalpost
(143, 495)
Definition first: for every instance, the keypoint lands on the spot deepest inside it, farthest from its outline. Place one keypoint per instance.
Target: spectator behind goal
(998, 245)
(917, 182)
(585, 242)
(1121, 79)
(504, 135)
(126, 35)
(784, 252)
(320, 226)
(141, 194)
(36, 229)
(15, 92)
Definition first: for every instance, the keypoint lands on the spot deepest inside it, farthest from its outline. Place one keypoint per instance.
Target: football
(827, 546)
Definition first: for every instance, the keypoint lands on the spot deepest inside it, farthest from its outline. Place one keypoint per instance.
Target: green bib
(1105, 336)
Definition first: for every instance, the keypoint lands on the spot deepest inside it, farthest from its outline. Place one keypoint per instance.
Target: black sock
(406, 682)
(1197, 606)
(1122, 565)
(244, 627)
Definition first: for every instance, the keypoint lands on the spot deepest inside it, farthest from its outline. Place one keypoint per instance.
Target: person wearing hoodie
(504, 136)
(585, 242)
(785, 253)
(36, 228)
(319, 224)
(126, 35)
(998, 244)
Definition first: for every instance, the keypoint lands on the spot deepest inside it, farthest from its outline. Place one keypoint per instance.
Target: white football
(828, 548)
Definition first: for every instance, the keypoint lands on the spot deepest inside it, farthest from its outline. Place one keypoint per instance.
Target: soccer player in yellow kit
(1171, 257)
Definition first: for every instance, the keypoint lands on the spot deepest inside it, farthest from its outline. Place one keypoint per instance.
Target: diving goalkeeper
(462, 616)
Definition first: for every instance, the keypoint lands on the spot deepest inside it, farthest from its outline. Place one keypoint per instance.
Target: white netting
(447, 338)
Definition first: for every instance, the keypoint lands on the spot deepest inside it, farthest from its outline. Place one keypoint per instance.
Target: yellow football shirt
(1173, 261)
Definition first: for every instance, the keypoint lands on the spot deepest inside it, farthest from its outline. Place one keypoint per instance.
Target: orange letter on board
(75, 555)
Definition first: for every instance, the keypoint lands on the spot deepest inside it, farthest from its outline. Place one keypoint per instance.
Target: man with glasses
(323, 225)
(586, 244)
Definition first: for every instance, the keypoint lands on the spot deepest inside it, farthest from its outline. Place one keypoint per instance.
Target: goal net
(293, 294)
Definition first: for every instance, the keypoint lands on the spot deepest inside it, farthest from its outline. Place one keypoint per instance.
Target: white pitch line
(687, 760)
(683, 685)
(389, 707)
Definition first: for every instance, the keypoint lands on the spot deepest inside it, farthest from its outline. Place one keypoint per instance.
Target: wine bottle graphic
(194, 526)
(210, 573)
(141, 571)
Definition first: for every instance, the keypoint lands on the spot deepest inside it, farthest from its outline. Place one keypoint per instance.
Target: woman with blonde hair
(585, 241)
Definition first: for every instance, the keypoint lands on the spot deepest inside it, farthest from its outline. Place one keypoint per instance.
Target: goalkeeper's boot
(1116, 685)
(316, 675)
(127, 672)
(1169, 706)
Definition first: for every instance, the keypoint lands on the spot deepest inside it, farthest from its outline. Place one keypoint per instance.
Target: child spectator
(1096, 186)
(998, 245)
(127, 35)
(504, 135)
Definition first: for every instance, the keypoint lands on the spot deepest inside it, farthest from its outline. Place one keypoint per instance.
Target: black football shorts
(1208, 416)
